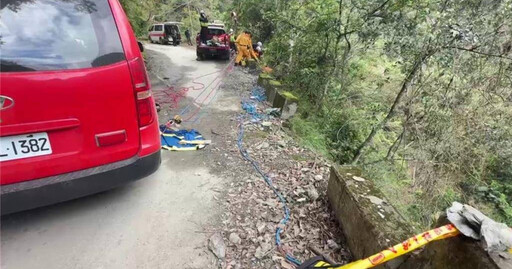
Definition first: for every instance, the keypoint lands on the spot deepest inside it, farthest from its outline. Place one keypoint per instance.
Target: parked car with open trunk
(217, 44)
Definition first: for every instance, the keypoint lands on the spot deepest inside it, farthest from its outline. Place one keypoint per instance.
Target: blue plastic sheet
(170, 139)
(258, 94)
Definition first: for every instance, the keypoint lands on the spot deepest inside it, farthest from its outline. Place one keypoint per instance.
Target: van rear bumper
(213, 51)
(46, 191)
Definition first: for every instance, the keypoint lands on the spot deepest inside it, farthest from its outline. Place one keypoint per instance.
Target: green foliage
(289, 95)
(308, 131)
(142, 14)
(136, 13)
(419, 92)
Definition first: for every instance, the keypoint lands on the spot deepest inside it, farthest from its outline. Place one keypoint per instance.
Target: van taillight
(142, 92)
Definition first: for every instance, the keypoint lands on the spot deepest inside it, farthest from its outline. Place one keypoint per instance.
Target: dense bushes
(417, 92)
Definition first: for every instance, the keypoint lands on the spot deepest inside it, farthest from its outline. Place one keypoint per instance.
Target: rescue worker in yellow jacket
(244, 45)
(251, 49)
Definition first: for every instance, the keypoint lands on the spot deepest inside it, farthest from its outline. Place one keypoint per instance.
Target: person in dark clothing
(203, 21)
(187, 35)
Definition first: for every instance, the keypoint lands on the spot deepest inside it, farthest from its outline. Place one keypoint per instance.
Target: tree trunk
(392, 150)
(405, 86)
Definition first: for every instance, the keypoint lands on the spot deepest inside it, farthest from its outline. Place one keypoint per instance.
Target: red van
(76, 112)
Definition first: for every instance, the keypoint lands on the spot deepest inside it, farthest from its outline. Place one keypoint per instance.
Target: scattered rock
(289, 111)
(252, 210)
(375, 200)
(281, 143)
(261, 227)
(360, 179)
(243, 236)
(217, 246)
(381, 215)
(265, 247)
(312, 193)
(264, 145)
(259, 253)
(332, 244)
(235, 238)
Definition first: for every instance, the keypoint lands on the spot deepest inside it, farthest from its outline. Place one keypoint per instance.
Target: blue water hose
(268, 180)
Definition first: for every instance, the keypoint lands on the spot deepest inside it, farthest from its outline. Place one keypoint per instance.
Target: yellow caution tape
(196, 142)
(407, 246)
(173, 148)
(172, 135)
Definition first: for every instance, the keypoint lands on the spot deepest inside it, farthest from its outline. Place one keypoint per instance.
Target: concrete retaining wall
(369, 223)
(277, 96)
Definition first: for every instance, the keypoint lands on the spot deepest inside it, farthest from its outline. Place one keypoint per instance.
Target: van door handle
(39, 126)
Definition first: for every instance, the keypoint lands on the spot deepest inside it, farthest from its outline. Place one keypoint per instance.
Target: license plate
(24, 146)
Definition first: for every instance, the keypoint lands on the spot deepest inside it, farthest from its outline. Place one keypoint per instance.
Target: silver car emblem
(6, 102)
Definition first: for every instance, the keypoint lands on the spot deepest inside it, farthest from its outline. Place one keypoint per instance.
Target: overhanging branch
(479, 52)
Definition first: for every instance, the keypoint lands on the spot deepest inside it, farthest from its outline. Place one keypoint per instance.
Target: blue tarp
(258, 94)
(170, 139)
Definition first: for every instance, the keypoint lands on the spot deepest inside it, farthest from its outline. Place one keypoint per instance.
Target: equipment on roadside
(175, 139)
(466, 221)
(182, 140)
(174, 123)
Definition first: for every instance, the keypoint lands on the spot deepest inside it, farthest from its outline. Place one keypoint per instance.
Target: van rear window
(57, 34)
(215, 31)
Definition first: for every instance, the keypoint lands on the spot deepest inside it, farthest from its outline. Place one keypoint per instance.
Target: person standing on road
(243, 43)
(187, 35)
(203, 21)
(232, 40)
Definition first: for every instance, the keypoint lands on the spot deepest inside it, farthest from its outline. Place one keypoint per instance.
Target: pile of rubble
(253, 211)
